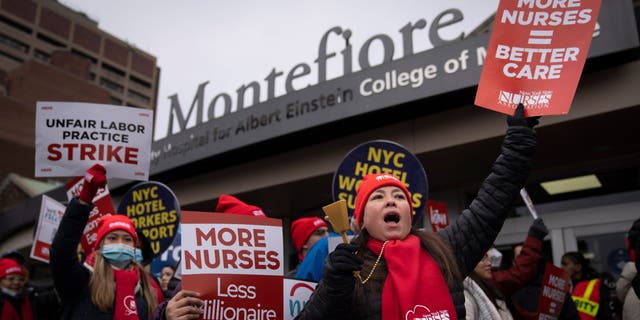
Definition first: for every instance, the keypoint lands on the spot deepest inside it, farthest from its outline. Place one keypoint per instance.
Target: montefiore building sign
(232, 120)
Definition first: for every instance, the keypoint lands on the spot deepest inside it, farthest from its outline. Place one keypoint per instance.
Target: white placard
(71, 137)
(51, 212)
(296, 295)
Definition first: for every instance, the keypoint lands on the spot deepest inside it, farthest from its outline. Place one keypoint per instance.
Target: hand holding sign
(538, 229)
(518, 119)
(94, 179)
(185, 303)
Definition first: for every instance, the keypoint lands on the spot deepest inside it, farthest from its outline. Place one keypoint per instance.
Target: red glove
(94, 179)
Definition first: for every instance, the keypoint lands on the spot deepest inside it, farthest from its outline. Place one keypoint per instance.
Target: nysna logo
(385, 177)
(537, 99)
(258, 213)
(298, 297)
(421, 312)
(223, 104)
(13, 270)
(116, 224)
(130, 305)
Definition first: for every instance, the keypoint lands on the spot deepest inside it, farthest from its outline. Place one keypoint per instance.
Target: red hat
(115, 222)
(230, 204)
(371, 183)
(302, 229)
(10, 266)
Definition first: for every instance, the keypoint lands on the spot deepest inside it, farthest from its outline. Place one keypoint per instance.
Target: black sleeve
(69, 276)
(327, 302)
(569, 311)
(472, 234)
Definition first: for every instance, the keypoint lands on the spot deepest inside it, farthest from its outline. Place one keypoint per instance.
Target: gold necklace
(375, 264)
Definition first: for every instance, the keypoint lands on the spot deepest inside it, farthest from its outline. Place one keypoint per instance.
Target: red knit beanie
(230, 204)
(10, 266)
(371, 183)
(112, 223)
(302, 229)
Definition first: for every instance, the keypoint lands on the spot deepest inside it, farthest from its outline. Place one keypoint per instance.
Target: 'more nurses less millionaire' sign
(235, 263)
(536, 55)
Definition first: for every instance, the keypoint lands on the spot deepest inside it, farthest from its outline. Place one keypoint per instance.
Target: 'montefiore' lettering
(222, 104)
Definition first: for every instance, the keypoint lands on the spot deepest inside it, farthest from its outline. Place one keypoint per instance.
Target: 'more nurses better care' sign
(536, 54)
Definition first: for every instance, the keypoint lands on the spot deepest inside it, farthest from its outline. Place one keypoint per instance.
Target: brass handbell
(336, 214)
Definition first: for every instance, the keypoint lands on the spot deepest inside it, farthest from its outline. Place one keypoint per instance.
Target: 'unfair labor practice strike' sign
(235, 263)
(536, 54)
(70, 137)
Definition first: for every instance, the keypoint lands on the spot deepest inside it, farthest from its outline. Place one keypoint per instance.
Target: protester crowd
(389, 267)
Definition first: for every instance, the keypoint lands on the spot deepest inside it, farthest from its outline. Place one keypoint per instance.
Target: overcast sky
(231, 43)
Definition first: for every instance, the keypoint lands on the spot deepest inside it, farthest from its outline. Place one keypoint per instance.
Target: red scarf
(414, 287)
(156, 289)
(9, 311)
(126, 281)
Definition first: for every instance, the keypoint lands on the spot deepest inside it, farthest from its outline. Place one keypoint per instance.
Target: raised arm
(69, 276)
(475, 230)
(525, 265)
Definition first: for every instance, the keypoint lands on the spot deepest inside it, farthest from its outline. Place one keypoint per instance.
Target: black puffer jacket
(470, 236)
(70, 277)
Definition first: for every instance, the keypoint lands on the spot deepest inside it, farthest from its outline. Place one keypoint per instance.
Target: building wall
(39, 29)
(456, 147)
(599, 92)
(26, 85)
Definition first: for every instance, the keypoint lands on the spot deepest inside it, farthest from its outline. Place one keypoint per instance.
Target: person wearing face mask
(113, 285)
(393, 270)
(14, 304)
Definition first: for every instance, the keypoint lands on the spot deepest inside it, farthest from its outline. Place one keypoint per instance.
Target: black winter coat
(469, 236)
(70, 277)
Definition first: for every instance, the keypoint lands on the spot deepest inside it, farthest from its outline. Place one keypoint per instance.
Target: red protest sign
(235, 263)
(536, 54)
(553, 293)
(102, 206)
(438, 215)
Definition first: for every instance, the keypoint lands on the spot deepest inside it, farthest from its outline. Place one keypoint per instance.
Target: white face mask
(9, 292)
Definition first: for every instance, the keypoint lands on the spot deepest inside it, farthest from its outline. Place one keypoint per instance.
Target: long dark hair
(436, 246)
(488, 288)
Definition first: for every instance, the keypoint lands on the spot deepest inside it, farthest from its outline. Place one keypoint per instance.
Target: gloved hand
(518, 119)
(94, 179)
(342, 262)
(538, 229)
